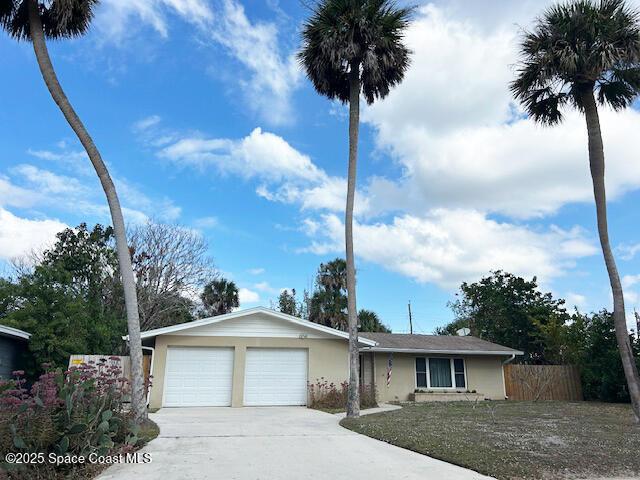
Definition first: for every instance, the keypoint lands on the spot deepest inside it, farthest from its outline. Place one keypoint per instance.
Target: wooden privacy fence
(542, 382)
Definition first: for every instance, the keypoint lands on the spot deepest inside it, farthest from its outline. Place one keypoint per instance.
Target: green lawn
(516, 440)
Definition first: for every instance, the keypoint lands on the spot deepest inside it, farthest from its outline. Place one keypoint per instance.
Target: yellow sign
(77, 361)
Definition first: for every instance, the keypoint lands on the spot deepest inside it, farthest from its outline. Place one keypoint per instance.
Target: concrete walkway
(273, 443)
(384, 407)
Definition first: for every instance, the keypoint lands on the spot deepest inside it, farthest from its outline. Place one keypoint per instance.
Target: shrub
(324, 395)
(76, 412)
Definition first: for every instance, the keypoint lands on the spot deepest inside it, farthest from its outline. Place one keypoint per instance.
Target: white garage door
(198, 377)
(275, 376)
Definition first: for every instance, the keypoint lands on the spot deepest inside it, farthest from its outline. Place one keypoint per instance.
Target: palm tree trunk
(124, 258)
(353, 401)
(596, 163)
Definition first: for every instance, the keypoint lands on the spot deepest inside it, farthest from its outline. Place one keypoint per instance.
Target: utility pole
(410, 319)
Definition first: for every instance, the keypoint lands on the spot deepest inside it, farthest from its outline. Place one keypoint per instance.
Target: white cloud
(265, 287)
(206, 222)
(34, 187)
(575, 300)
(47, 182)
(273, 76)
(20, 236)
(454, 131)
(256, 271)
(146, 123)
(439, 94)
(161, 208)
(447, 247)
(261, 154)
(114, 17)
(74, 160)
(285, 174)
(628, 251)
(248, 296)
(519, 169)
(268, 73)
(15, 196)
(629, 281)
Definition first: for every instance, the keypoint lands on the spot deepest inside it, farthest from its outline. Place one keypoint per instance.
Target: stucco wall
(328, 358)
(484, 375)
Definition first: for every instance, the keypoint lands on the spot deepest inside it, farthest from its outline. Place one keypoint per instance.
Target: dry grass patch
(516, 440)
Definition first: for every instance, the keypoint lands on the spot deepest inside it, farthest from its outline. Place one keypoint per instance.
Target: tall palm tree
(352, 47)
(583, 54)
(37, 20)
(219, 297)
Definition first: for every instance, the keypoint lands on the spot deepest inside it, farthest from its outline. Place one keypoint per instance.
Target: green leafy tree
(370, 322)
(328, 304)
(352, 47)
(71, 301)
(511, 311)
(583, 54)
(219, 296)
(35, 21)
(591, 344)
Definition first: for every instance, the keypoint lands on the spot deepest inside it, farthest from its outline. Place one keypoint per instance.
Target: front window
(458, 370)
(421, 372)
(439, 372)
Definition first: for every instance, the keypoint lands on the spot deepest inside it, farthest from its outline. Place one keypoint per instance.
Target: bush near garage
(72, 413)
(328, 396)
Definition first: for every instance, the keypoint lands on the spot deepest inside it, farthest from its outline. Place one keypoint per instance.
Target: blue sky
(205, 120)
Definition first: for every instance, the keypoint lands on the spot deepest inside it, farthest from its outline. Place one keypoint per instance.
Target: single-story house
(260, 356)
(13, 343)
(401, 364)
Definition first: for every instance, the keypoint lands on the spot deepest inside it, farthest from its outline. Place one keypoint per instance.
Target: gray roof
(435, 344)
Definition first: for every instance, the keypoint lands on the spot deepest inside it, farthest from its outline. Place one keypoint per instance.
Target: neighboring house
(263, 357)
(13, 343)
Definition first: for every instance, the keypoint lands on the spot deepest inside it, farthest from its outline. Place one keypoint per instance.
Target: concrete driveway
(272, 443)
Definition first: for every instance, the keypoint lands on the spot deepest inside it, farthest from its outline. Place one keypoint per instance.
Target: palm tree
(328, 304)
(583, 54)
(219, 297)
(352, 47)
(370, 322)
(37, 20)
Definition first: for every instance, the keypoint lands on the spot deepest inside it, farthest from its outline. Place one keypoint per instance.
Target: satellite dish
(463, 332)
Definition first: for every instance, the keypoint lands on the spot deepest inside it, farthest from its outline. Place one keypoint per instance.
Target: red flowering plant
(76, 412)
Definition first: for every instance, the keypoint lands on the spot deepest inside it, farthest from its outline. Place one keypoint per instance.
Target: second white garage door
(275, 376)
(198, 377)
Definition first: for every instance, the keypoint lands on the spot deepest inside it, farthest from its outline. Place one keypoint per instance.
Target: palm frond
(364, 34)
(60, 18)
(574, 47)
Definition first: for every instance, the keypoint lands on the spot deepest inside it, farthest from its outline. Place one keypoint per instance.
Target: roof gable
(256, 324)
(253, 322)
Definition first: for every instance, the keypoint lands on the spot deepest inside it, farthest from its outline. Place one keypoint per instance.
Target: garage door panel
(275, 376)
(198, 377)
